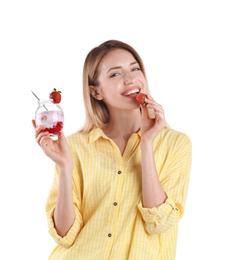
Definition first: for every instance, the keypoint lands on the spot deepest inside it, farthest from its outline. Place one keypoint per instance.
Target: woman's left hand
(150, 127)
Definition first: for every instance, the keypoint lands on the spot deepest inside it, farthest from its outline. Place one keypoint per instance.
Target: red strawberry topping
(55, 95)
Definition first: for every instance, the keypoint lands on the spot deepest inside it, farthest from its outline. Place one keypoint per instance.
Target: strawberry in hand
(141, 98)
(55, 95)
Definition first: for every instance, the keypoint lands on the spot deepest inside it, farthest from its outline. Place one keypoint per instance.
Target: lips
(131, 91)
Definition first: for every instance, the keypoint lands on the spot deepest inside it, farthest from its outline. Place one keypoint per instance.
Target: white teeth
(131, 92)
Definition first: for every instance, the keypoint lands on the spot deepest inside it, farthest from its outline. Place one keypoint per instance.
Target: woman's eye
(114, 74)
(135, 69)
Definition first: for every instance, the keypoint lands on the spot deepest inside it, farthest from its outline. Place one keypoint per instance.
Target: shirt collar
(96, 133)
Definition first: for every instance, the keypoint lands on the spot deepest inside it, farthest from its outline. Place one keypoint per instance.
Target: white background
(189, 49)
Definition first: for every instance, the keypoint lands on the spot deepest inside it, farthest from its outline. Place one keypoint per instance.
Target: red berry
(55, 95)
(141, 98)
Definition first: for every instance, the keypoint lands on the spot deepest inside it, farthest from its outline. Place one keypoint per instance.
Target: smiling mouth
(131, 92)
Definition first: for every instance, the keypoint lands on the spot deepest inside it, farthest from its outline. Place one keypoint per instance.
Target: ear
(94, 91)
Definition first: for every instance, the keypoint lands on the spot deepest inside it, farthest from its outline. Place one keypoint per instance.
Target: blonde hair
(97, 115)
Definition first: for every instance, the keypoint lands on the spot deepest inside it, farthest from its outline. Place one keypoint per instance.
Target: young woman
(121, 182)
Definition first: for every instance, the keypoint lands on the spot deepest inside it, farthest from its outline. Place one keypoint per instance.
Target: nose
(128, 78)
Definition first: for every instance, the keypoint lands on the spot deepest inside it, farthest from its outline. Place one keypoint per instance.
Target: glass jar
(50, 116)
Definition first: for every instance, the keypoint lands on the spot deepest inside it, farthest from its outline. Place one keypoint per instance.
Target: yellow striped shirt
(111, 222)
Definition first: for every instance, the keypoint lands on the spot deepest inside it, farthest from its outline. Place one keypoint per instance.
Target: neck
(123, 124)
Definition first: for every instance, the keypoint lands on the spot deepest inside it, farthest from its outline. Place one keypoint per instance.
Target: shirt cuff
(161, 218)
(71, 235)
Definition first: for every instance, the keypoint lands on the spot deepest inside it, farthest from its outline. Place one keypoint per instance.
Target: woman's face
(120, 80)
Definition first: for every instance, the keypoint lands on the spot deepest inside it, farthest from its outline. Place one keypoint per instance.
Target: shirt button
(119, 172)
(109, 234)
(115, 203)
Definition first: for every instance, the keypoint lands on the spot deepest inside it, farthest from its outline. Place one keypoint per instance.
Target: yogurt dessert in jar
(50, 115)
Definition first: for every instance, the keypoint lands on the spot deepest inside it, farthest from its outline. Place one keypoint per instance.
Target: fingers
(33, 123)
(144, 111)
(40, 136)
(156, 108)
(37, 131)
(158, 112)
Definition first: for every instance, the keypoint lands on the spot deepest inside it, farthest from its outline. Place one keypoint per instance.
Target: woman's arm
(153, 194)
(64, 214)
(59, 152)
(175, 182)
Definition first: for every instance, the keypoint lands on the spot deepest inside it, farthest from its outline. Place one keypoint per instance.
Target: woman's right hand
(57, 150)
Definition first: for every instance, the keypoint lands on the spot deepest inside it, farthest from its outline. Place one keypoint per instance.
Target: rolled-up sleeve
(175, 184)
(77, 225)
(69, 238)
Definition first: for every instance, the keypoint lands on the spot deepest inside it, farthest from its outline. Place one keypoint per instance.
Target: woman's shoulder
(174, 136)
(77, 136)
(80, 137)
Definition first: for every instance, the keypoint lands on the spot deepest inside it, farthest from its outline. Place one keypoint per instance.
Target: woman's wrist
(66, 167)
(145, 143)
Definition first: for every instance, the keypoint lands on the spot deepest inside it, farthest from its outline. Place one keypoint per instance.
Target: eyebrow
(118, 67)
